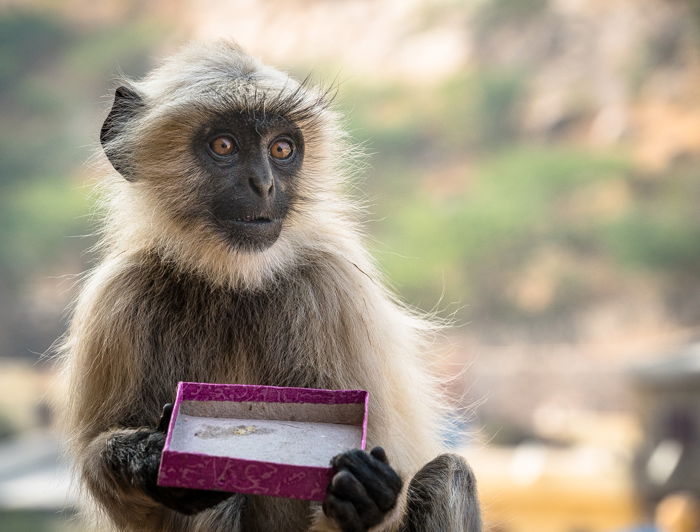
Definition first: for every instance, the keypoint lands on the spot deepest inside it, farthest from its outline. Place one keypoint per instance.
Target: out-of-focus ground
(533, 174)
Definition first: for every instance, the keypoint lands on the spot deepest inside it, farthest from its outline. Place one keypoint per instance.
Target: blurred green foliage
(53, 75)
(660, 233)
(463, 201)
(497, 13)
(37, 219)
(27, 39)
(510, 212)
(465, 240)
(38, 521)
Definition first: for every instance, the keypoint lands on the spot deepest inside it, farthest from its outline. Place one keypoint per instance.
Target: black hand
(363, 489)
(134, 457)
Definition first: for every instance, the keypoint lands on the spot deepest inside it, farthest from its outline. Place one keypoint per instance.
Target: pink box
(263, 440)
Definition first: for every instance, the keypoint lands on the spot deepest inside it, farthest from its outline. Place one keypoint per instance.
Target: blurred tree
(49, 69)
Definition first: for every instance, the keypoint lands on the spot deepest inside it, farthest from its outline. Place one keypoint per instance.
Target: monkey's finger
(345, 486)
(344, 514)
(373, 480)
(380, 454)
(165, 416)
(381, 468)
(380, 463)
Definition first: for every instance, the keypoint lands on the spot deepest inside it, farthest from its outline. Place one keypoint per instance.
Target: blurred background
(533, 174)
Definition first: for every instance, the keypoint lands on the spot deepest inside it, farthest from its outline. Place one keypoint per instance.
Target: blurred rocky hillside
(532, 163)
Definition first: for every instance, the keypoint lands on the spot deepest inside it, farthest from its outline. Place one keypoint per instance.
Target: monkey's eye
(223, 146)
(281, 149)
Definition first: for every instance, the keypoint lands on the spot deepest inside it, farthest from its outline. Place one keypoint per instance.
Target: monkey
(231, 251)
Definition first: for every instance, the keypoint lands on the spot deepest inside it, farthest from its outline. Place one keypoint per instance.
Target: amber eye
(281, 149)
(223, 145)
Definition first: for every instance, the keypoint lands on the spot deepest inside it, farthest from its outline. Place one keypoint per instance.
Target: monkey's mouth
(252, 232)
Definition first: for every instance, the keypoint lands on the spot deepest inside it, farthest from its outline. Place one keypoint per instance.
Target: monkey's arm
(121, 470)
(132, 459)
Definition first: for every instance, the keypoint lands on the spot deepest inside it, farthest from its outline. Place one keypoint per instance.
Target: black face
(252, 165)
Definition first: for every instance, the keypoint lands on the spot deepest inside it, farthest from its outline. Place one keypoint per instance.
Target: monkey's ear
(127, 105)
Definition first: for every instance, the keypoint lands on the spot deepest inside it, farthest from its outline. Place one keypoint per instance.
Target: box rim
(262, 393)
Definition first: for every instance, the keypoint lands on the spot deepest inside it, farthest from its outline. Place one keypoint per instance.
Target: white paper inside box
(300, 434)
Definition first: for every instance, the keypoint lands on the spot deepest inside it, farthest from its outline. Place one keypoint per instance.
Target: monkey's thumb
(165, 416)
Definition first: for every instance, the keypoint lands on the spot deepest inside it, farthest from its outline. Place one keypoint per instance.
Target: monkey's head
(223, 160)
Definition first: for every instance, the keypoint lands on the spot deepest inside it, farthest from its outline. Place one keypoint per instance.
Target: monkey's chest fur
(181, 328)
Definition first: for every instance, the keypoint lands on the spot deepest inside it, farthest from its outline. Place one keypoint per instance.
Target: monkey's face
(250, 171)
(229, 168)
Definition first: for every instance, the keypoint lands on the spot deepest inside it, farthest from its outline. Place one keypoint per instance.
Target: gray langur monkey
(231, 254)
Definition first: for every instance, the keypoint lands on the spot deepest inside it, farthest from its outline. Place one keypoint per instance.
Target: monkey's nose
(262, 185)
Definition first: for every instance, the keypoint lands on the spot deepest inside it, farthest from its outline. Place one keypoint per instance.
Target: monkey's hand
(364, 488)
(133, 456)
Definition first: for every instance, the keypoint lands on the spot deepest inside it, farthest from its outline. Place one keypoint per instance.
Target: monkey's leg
(442, 496)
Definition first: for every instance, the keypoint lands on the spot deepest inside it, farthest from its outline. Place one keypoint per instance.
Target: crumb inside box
(289, 433)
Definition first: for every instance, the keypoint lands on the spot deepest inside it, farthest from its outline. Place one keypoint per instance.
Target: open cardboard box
(263, 440)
